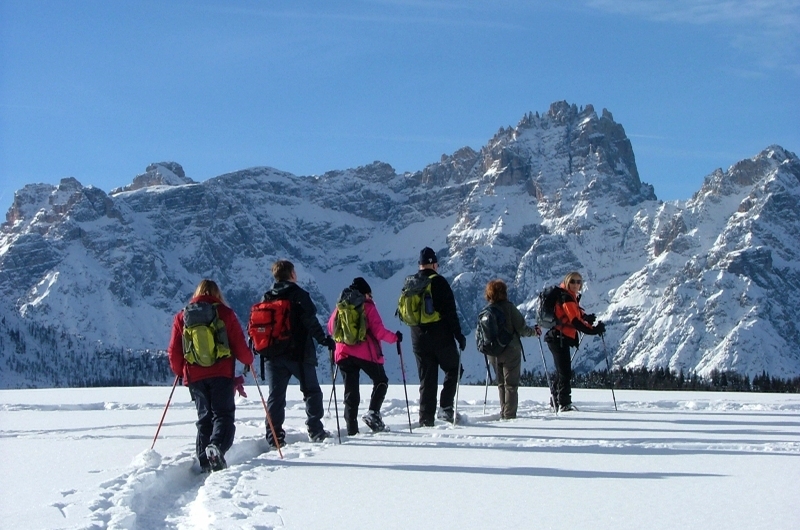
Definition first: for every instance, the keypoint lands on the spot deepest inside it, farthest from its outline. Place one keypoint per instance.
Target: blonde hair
(572, 275)
(496, 291)
(209, 288)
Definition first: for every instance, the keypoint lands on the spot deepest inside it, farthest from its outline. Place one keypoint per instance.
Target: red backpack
(270, 327)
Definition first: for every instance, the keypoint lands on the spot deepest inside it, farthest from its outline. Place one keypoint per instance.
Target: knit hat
(427, 256)
(361, 285)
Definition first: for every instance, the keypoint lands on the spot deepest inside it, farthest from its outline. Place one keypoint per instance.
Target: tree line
(666, 379)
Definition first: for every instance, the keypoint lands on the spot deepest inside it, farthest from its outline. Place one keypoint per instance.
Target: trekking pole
(547, 377)
(405, 389)
(165, 411)
(578, 347)
(330, 399)
(266, 411)
(608, 365)
(488, 376)
(335, 399)
(458, 384)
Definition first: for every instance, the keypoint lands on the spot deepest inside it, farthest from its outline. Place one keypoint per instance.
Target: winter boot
(446, 414)
(281, 438)
(319, 436)
(216, 462)
(374, 421)
(352, 426)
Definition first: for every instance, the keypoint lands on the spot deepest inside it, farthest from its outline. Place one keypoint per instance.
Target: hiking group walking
(207, 340)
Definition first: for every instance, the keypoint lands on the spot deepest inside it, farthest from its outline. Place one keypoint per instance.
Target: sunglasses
(578, 282)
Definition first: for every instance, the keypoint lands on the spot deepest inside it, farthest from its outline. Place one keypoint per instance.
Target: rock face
(160, 174)
(694, 285)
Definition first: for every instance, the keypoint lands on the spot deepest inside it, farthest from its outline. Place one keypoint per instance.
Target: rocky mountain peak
(746, 173)
(157, 174)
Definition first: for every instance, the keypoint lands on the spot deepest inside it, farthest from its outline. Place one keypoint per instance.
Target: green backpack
(350, 325)
(205, 340)
(415, 306)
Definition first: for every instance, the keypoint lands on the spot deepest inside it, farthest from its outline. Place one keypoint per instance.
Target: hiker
(365, 355)
(212, 387)
(436, 343)
(507, 365)
(572, 319)
(299, 360)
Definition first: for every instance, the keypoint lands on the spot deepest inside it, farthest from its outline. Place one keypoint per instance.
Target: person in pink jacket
(367, 356)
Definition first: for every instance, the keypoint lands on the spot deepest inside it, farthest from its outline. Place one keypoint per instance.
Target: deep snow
(80, 458)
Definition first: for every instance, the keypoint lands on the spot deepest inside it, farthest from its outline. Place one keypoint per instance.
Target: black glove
(399, 336)
(590, 318)
(600, 328)
(329, 343)
(462, 342)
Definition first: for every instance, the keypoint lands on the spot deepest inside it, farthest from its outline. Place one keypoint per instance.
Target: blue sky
(98, 90)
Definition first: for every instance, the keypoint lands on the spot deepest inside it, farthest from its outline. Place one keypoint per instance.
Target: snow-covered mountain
(694, 285)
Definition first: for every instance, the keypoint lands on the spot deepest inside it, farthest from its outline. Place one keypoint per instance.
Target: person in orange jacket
(572, 319)
(212, 387)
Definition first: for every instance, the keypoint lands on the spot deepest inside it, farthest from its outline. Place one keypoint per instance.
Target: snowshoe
(447, 414)
(319, 436)
(216, 462)
(374, 421)
(281, 439)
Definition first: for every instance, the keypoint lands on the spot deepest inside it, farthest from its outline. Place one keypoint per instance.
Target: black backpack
(491, 334)
(546, 306)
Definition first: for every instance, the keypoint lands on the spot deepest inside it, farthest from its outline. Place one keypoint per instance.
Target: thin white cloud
(765, 29)
(408, 12)
(767, 13)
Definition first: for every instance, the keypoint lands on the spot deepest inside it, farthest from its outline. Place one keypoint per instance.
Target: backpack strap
(263, 366)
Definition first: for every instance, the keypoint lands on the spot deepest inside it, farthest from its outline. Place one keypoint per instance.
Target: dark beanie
(427, 256)
(361, 285)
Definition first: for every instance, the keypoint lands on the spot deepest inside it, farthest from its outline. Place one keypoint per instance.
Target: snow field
(80, 458)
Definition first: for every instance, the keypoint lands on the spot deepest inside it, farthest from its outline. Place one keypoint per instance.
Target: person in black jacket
(436, 345)
(300, 360)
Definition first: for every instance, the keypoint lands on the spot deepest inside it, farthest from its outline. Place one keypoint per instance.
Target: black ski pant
(435, 348)
(351, 368)
(279, 371)
(216, 410)
(562, 387)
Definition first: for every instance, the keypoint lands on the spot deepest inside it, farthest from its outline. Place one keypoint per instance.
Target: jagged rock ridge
(693, 285)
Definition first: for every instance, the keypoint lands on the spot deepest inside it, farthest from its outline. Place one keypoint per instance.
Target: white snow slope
(81, 458)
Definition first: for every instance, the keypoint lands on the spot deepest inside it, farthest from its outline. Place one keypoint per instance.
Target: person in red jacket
(212, 387)
(367, 356)
(572, 319)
